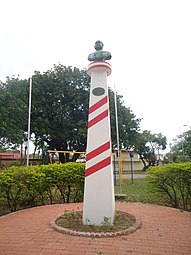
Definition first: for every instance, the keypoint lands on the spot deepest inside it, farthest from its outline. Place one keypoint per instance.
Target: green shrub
(69, 180)
(37, 187)
(25, 186)
(11, 187)
(174, 181)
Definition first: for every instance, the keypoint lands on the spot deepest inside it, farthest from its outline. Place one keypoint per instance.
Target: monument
(99, 200)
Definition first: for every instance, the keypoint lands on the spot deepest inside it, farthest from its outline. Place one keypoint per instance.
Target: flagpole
(29, 120)
(117, 132)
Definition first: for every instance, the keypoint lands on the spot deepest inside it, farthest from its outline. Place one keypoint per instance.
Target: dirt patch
(71, 222)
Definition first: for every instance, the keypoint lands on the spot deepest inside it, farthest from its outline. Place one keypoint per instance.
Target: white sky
(150, 43)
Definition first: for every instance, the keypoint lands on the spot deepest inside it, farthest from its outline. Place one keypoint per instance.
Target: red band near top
(98, 65)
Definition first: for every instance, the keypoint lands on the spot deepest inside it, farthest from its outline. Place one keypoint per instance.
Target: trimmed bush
(174, 181)
(12, 187)
(21, 187)
(68, 179)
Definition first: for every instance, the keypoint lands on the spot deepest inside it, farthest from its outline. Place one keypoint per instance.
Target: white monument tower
(99, 201)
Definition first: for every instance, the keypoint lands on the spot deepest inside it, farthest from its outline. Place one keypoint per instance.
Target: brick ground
(164, 231)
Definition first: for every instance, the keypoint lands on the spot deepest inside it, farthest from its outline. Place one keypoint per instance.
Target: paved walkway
(164, 231)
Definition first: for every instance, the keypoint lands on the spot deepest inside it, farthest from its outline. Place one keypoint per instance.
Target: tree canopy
(148, 146)
(59, 113)
(181, 148)
(13, 115)
(127, 122)
(60, 108)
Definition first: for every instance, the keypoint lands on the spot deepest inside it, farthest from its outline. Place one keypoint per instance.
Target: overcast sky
(150, 43)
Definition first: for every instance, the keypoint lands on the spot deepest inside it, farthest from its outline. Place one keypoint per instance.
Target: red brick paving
(164, 231)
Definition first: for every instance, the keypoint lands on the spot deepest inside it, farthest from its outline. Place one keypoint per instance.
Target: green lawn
(140, 191)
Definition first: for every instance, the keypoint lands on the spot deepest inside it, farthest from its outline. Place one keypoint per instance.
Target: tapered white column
(99, 199)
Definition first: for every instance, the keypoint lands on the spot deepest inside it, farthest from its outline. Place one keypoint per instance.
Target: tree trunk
(65, 157)
(34, 153)
(62, 158)
(21, 150)
(75, 157)
(142, 159)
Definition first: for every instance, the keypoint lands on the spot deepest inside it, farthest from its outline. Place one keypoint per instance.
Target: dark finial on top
(99, 54)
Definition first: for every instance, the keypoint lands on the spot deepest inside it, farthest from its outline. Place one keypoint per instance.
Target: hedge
(174, 181)
(22, 187)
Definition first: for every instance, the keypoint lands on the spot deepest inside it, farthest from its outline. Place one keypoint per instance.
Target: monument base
(99, 202)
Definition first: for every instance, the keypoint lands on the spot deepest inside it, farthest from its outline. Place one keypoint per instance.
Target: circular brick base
(127, 231)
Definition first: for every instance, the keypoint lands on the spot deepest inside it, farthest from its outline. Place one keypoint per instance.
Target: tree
(181, 148)
(60, 108)
(59, 114)
(12, 115)
(148, 145)
(187, 143)
(127, 122)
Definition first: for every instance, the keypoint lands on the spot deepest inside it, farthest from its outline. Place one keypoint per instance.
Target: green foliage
(174, 181)
(180, 149)
(59, 114)
(148, 145)
(38, 186)
(60, 108)
(25, 186)
(68, 179)
(11, 187)
(127, 122)
(13, 114)
(187, 143)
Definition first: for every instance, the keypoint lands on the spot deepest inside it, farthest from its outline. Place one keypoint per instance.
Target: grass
(73, 220)
(140, 191)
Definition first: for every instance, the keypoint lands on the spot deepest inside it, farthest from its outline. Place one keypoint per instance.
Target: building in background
(126, 161)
